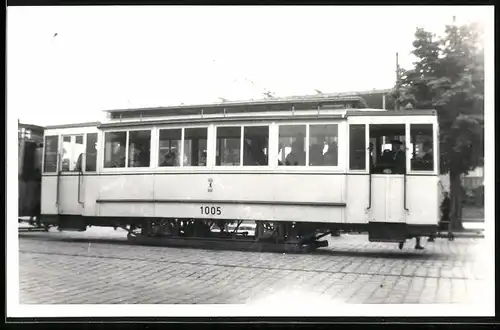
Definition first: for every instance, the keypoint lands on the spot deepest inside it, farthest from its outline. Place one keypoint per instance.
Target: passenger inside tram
(393, 160)
(330, 157)
(203, 159)
(297, 156)
(425, 161)
(169, 159)
(254, 152)
(315, 155)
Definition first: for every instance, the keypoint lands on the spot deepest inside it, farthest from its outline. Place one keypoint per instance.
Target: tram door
(76, 158)
(387, 159)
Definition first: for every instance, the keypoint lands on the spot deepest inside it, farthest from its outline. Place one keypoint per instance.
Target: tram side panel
(307, 198)
(358, 199)
(423, 201)
(125, 195)
(49, 205)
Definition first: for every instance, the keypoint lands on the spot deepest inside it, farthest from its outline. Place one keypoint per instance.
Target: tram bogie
(297, 170)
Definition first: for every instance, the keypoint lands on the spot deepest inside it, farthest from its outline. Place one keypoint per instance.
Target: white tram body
(226, 163)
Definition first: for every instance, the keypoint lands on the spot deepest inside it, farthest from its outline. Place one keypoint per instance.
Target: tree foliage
(448, 76)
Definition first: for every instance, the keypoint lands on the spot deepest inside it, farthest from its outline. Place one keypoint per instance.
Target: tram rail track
(255, 267)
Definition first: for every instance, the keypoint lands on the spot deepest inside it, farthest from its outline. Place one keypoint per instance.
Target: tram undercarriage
(226, 234)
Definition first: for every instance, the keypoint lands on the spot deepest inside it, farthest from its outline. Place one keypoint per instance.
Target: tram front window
(422, 155)
(387, 149)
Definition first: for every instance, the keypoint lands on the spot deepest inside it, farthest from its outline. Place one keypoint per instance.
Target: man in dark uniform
(398, 156)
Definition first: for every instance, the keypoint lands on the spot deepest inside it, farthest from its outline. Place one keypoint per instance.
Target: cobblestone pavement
(350, 270)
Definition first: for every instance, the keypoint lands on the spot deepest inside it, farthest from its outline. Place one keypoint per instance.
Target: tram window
(387, 149)
(72, 151)
(255, 145)
(50, 157)
(195, 146)
(169, 152)
(66, 153)
(291, 148)
(228, 146)
(357, 147)
(114, 149)
(139, 148)
(323, 145)
(422, 155)
(91, 153)
(78, 150)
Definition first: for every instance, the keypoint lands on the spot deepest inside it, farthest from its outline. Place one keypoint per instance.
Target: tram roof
(271, 104)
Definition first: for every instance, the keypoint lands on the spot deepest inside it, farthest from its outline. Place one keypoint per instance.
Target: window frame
(84, 158)
(157, 138)
(57, 153)
(193, 167)
(166, 126)
(214, 151)
(287, 123)
(269, 133)
(73, 142)
(340, 152)
(64, 132)
(126, 168)
(341, 140)
(435, 146)
(366, 170)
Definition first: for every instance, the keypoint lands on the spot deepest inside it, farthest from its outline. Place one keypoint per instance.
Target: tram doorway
(387, 152)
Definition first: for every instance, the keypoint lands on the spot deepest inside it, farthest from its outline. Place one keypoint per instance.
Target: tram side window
(255, 145)
(228, 146)
(169, 152)
(139, 148)
(291, 148)
(50, 157)
(72, 151)
(422, 155)
(357, 147)
(66, 154)
(114, 149)
(195, 146)
(91, 153)
(78, 151)
(323, 145)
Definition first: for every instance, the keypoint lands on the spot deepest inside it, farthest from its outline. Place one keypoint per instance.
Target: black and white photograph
(250, 161)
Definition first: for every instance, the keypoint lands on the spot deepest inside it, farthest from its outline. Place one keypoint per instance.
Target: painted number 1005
(210, 210)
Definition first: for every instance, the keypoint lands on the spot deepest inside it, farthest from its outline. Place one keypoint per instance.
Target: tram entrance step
(387, 232)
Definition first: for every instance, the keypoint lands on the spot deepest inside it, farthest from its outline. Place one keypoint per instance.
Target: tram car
(30, 148)
(297, 168)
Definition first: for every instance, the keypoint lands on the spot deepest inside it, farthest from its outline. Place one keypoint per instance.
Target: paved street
(350, 270)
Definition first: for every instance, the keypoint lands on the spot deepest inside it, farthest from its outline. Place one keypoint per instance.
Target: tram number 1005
(210, 210)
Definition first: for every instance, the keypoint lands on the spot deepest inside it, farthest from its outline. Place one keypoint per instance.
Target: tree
(448, 76)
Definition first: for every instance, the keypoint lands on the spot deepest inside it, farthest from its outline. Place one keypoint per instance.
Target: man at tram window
(315, 155)
(398, 156)
(297, 156)
(427, 158)
(331, 155)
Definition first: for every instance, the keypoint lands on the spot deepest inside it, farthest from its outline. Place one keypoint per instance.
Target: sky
(68, 64)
